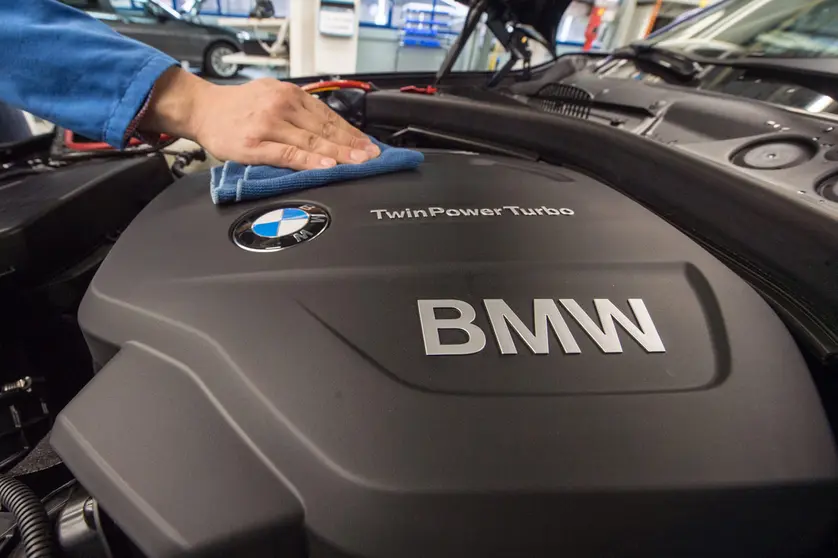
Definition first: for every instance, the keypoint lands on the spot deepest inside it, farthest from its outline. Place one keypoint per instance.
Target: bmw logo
(279, 227)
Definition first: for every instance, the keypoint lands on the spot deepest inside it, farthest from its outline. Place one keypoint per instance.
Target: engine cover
(484, 357)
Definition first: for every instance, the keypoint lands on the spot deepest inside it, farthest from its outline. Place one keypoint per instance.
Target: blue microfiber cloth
(234, 182)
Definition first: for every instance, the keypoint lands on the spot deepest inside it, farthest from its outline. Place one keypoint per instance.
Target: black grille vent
(567, 100)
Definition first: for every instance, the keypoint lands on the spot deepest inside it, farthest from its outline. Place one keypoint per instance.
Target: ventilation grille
(567, 100)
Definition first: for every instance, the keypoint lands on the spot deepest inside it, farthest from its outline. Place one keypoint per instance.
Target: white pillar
(323, 47)
(336, 36)
(302, 30)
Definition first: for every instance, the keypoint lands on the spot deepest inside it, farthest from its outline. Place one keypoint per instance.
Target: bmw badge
(279, 227)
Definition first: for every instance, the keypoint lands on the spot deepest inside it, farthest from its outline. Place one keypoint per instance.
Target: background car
(201, 45)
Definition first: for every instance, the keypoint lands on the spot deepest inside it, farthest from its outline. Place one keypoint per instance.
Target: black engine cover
(617, 392)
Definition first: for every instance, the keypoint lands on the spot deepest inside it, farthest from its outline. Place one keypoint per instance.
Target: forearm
(68, 68)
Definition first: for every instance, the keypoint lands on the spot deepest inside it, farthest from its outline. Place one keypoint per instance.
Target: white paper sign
(337, 21)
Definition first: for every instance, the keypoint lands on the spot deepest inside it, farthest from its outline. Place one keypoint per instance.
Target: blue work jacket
(60, 64)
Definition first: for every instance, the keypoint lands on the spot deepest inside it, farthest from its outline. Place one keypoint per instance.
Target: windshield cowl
(678, 64)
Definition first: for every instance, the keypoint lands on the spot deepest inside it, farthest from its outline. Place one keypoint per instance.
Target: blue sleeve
(66, 67)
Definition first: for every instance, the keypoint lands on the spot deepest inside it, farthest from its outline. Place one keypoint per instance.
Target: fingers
(314, 143)
(320, 109)
(287, 156)
(328, 128)
(319, 129)
(266, 122)
(336, 129)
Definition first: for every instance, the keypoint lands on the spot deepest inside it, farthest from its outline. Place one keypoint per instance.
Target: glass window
(415, 35)
(775, 28)
(759, 28)
(376, 12)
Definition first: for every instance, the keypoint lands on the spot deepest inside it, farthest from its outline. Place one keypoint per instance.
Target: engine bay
(475, 346)
(598, 320)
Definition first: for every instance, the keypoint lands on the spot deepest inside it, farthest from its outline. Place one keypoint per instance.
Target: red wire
(428, 90)
(339, 84)
(70, 142)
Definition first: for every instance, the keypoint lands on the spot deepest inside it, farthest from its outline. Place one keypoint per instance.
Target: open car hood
(542, 15)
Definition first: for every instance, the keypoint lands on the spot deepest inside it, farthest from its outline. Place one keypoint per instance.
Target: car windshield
(732, 29)
(766, 28)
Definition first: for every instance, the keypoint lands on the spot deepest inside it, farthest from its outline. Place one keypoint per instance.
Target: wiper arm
(678, 64)
(818, 74)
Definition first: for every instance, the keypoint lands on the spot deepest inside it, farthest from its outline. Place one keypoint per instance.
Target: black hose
(185, 158)
(31, 516)
(177, 168)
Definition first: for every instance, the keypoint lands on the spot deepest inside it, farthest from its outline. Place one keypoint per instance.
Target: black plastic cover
(771, 227)
(257, 397)
(51, 220)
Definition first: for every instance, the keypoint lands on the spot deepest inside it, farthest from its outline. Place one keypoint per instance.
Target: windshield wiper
(673, 62)
(817, 74)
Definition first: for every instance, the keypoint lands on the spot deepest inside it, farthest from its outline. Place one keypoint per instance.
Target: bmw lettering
(602, 329)
(280, 227)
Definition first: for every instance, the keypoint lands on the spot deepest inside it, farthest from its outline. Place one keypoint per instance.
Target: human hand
(263, 122)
